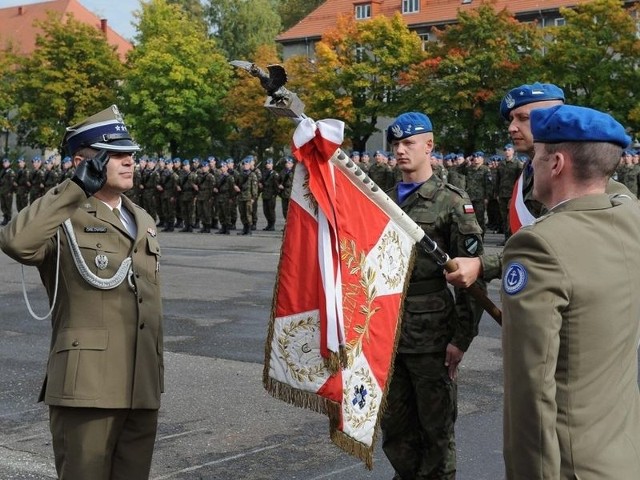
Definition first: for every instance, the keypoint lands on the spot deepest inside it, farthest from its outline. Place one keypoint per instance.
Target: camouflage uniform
(248, 185)
(21, 184)
(168, 182)
(51, 177)
(7, 179)
(36, 180)
(507, 175)
(206, 184)
(628, 176)
(285, 192)
(226, 192)
(379, 173)
(270, 183)
(233, 218)
(148, 183)
(254, 206)
(188, 191)
(479, 187)
(418, 424)
(455, 178)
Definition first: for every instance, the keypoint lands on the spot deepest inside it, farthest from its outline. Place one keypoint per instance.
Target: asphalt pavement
(217, 421)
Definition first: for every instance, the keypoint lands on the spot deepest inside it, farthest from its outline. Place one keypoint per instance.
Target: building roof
(431, 12)
(17, 24)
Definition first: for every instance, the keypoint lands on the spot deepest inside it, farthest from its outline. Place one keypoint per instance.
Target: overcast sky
(117, 12)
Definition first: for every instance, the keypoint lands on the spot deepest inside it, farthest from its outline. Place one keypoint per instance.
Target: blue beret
(407, 125)
(378, 152)
(508, 145)
(223, 163)
(205, 163)
(355, 152)
(185, 162)
(365, 153)
(269, 161)
(36, 159)
(525, 94)
(104, 130)
(479, 153)
(569, 123)
(288, 160)
(437, 155)
(229, 160)
(66, 159)
(6, 160)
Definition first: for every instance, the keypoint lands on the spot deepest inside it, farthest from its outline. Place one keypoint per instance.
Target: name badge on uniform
(514, 279)
(101, 261)
(95, 229)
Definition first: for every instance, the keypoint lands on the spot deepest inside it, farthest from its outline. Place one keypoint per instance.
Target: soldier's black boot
(253, 226)
(223, 230)
(269, 228)
(205, 229)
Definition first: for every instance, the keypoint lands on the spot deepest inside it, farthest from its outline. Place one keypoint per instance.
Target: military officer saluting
(105, 368)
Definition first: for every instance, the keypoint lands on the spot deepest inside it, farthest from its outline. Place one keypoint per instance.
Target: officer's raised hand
(91, 173)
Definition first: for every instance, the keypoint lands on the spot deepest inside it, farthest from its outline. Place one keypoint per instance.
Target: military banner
(338, 296)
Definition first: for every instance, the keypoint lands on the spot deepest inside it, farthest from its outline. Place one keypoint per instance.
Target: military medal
(101, 261)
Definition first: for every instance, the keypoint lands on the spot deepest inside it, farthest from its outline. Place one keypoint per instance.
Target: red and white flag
(519, 214)
(337, 303)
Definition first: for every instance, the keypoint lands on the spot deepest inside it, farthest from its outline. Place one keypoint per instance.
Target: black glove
(91, 173)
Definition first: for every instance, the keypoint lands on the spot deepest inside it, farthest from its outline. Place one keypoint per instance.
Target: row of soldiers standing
(187, 194)
(29, 184)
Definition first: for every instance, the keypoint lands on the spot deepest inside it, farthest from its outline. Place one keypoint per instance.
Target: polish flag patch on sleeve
(468, 208)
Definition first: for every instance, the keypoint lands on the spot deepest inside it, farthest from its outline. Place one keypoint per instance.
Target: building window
(363, 11)
(410, 6)
(559, 22)
(424, 38)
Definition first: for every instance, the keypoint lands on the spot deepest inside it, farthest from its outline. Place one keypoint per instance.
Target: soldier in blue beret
(570, 347)
(418, 424)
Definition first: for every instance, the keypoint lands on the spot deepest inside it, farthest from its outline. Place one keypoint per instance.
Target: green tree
(594, 57)
(292, 11)
(468, 70)
(253, 129)
(72, 73)
(356, 74)
(176, 82)
(241, 26)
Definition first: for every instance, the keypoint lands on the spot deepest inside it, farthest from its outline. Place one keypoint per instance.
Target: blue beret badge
(514, 279)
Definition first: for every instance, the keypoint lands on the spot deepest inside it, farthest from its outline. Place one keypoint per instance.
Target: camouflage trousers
(269, 209)
(149, 204)
(6, 204)
(418, 424)
(480, 209)
(285, 207)
(204, 209)
(246, 211)
(504, 213)
(22, 200)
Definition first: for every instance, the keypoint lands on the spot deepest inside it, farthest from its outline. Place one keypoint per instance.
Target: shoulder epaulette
(458, 190)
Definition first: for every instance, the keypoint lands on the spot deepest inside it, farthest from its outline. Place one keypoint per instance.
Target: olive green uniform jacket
(571, 325)
(432, 316)
(106, 345)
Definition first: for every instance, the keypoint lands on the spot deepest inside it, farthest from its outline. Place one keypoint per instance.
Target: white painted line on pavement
(13, 414)
(175, 435)
(215, 462)
(335, 472)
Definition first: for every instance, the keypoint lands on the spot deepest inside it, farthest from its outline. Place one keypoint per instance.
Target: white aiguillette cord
(55, 292)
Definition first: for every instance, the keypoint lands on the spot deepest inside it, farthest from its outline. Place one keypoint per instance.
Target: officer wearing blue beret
(418, 424)
(571, 401)
(516, 108)
(105, 369)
